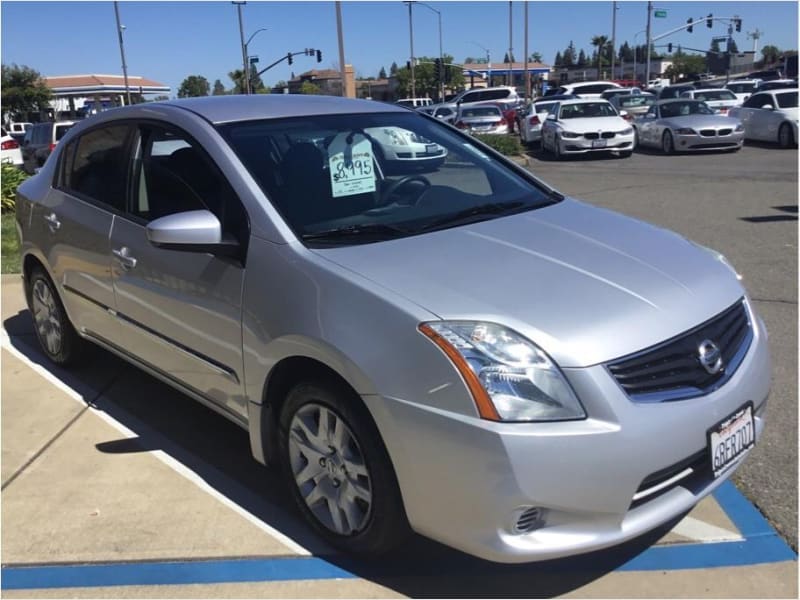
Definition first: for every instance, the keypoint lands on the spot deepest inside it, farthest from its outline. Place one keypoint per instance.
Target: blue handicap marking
(760, 543)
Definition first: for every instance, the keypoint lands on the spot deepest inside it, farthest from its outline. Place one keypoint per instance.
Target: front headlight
(510, 378)
(570, 134)
(627, 131)
(739, 127)
(685, 131)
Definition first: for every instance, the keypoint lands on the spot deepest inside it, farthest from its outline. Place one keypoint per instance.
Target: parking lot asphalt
(114, 485)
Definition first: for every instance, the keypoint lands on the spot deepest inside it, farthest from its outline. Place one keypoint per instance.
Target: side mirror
(551, 117)
(768, 107)
(191, 231)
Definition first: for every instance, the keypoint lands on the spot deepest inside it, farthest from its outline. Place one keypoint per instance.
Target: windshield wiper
(468, 215)
(371, 230)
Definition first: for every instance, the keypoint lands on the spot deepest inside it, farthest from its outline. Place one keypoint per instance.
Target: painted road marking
(162, 455)
(700, 531)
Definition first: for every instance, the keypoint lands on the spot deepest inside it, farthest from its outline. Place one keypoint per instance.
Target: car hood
(594, 124)
(585, 284)
(701, 121)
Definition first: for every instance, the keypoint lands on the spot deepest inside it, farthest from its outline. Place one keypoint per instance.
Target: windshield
(787, 100)
(587, 110)
(715, 95)
(681, 109)
(368, 177)
(741, 88)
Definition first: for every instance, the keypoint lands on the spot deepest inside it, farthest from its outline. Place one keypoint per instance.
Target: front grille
(591, 136)
(708, 132)
(672, 370)
(724, 132)
(691, 469)
(713, 145)
(608, 134)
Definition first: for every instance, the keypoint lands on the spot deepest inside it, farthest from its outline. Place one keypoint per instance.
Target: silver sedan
(685, 125)
(467, 354)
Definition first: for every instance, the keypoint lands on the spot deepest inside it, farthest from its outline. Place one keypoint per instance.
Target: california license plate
(598, 143)
(729, 439)
(431, 148)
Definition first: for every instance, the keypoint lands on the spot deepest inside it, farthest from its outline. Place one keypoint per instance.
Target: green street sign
(660, 14)
(253, 60)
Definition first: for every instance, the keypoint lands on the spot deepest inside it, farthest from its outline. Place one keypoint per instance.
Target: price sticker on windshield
(350, 165)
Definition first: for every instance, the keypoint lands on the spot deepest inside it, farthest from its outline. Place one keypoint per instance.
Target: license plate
(431, 148)
(731, 438)
(598, 143)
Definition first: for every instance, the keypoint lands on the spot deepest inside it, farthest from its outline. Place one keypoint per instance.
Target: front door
(180, 310)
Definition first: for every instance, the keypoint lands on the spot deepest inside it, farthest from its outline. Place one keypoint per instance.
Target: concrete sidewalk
(114, 485)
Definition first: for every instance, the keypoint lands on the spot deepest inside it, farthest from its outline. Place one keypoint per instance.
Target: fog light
(529, 518)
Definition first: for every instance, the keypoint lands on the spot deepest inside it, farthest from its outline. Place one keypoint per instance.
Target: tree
(625, 53)
(237, 76)
(393, 69)
(193, 86)
(558, 60)
(505, 58)
(425, 82)
(470, 60)
(256, 85)
(382, 73)
(310, 88)
(769, 53)
(24, 91)
(599, 42)
(568, 58)
(582, 59)
(219, 89)
(686, 64)
(535, 57)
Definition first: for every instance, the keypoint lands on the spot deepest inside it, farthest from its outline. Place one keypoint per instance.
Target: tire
(668, 143)
(635, 138)
(355, 502)
(557, 149)
(625, 154)
(785, 136)
(56, 334)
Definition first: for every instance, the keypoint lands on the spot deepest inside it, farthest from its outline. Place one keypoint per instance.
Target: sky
(168, 41)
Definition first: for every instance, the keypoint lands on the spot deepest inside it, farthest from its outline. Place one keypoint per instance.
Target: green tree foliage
(11, 177)
(582, 60)
(219, 89)
(193, 86)
(237, 77)
(769, 53)
(625, 53)
(256, 85)
(425, 81)
(24, 91)
(505, 58)
(382, 73)
(393, 69)
(310, 88)
(686, 64)
(535, 57)
(569, 56)
(600, 42)
(558, 60)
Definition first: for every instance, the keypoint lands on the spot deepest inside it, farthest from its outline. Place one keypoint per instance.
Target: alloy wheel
(329, 469)
(668, 143)
(46, 317)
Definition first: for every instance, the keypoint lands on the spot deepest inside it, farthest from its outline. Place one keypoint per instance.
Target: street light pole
(122, 54)
(441, 54)
(510, 46)
(647, 68)
(525, 51)
(245, 66)
(411, 38)
(340, 35)
(636, 53)
(488, 64)
(613, 37)
(247, 54)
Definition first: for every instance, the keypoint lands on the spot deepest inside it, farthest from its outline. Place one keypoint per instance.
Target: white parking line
(178, 467)
(698, 530)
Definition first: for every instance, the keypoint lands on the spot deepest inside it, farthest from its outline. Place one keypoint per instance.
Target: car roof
(584, 101)
(225, 109)
(671, 100)
(704, 90)
(574, 83)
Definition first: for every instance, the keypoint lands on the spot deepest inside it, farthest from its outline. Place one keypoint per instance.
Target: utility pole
(613, 36)
(411, 38)
(527, 72)
(510, 46)
(122, 54)
(728, 54)
(647, 68)
(755, 35)
(245, 66)
(341, 47)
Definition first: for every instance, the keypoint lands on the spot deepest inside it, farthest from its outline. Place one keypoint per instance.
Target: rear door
(180, 311)
(73, 223)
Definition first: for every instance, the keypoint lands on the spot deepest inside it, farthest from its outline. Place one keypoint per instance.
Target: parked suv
(39, 142)
(584, 89)
(414, 102)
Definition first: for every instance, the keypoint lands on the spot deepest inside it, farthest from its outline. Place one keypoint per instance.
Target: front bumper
(581, 145)
(696, 142)
(466, 481)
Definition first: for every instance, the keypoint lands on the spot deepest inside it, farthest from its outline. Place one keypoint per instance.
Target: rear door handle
(52, 222)
(123, 256)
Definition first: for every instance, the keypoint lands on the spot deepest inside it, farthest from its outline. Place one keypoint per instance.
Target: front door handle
(52, 222)
(123, 256)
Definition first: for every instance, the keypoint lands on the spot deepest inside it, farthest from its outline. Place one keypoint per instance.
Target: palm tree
(600, 42)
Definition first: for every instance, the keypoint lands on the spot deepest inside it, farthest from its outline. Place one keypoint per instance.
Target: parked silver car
(481, 119)
(686, 125)
(467, 353)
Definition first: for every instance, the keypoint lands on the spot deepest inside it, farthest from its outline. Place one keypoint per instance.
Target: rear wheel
(56, 335)
(785, 136)
(668, 143)
(338, 469)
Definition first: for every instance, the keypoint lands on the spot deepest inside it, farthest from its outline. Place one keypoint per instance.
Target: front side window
(346, 179)
(757, 101)
(96, 165)
(62, 129)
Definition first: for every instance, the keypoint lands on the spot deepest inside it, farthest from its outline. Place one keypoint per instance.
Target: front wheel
(557, 148)
(339, 471)
(668, 143)
(785, 136)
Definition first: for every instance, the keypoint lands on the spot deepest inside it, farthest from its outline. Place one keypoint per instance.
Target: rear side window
(787, 100)
(98, 168)
(61, 130)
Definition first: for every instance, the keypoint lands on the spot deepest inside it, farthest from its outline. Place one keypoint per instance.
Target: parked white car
(401, 147)
(586, 125)
(770, 117)
(586, 89)
(9, 150)
(530, 123)
(717, 99)
(743, 88)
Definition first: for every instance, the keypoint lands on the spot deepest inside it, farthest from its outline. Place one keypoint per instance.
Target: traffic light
(738, 23)
(408, 65)
(691, 23)
(319, 56)
(289, 57)
(669, 48)
(437, 69)
(709, 20)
